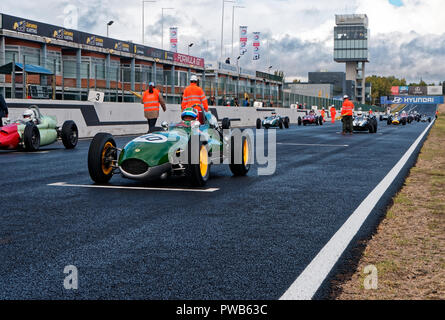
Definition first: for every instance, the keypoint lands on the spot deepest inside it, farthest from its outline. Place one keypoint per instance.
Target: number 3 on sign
(96, 96)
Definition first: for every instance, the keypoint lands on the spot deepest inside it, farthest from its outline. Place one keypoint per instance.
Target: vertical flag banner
(242, 40)
(174, 39)
(256, 45)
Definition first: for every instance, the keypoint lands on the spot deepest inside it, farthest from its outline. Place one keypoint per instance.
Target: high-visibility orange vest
(151, 100)
(370, 111)
(347, 108)
(323, 113)
(333, 110)
(194, 95)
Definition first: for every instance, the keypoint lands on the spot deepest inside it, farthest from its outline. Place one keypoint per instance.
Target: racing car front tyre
(31, 137)
(300, 122)
(199, 173)
(258, 123)
(70, 134)
(280, 123)
(240, 168)
(101, 154)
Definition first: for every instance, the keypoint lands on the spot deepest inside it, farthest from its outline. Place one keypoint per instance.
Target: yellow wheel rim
(106, 170)
(245, 152)
(203, 161)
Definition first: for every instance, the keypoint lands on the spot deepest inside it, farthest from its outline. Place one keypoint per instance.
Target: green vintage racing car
(35, 130)
(187, 148)
(274, 121)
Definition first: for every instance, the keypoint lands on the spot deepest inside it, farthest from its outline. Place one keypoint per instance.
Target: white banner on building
(435, 90)
(174, 39)
(256, 45)
(242, 40)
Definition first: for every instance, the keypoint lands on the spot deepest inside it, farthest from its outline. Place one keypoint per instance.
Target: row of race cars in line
(276, 121)
(362, 122)
(188, 148)
(404, 118)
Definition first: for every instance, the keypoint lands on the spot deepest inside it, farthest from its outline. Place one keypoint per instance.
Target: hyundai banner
(174, 39)
(242, 40)
(256, 45)
(412, 100)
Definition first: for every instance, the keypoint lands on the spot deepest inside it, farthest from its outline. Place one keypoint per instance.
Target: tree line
(381, 86)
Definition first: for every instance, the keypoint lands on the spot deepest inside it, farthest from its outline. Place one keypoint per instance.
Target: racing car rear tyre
(226, 123)
(240, 167)
(300, 121)
(280, 123)
(70, 134)
(320, 119)
(102, 150)
(258, 123)
(31, 137)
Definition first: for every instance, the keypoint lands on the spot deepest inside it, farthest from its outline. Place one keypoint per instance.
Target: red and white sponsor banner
(394, 91)
(256, 45)
(174, 39)
(185, 59)
(242, 40)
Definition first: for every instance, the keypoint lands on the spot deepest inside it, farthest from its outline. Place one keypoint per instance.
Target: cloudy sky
(407, 36)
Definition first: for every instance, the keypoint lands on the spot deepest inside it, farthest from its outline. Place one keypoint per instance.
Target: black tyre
(404, 122)
(300, 121)
(321, 121)
(371, 128)
(381, 118)
(286, 122)
(226, 123)
(31, 137)
(280, 123)
(389, 121)
(198, 173)
(102, 155)
(258, 123)
(69, 134)
(429, 119)
(240, 167)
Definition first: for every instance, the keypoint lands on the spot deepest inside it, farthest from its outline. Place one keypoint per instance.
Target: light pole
(143, 18)
(108, 26)
(233, 22)
(162, 22)
(188, 48)
(222, 26)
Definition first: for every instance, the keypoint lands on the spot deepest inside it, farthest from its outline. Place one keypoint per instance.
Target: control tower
(351, 47)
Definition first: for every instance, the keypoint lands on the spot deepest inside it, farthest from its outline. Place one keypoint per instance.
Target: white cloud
(405, 41)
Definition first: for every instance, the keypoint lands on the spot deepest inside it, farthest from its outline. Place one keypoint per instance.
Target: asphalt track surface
(248, 240)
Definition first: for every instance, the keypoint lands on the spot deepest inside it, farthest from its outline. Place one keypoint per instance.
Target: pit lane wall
(128, 118)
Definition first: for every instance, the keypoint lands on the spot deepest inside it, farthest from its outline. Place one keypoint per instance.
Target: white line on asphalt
(24, 152)
(313, 145)
(310, 280)
(64, 184)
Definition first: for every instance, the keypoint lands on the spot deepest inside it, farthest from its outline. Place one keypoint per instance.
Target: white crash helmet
(29, 115)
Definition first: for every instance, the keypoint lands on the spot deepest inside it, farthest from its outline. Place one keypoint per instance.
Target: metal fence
(118, 80)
